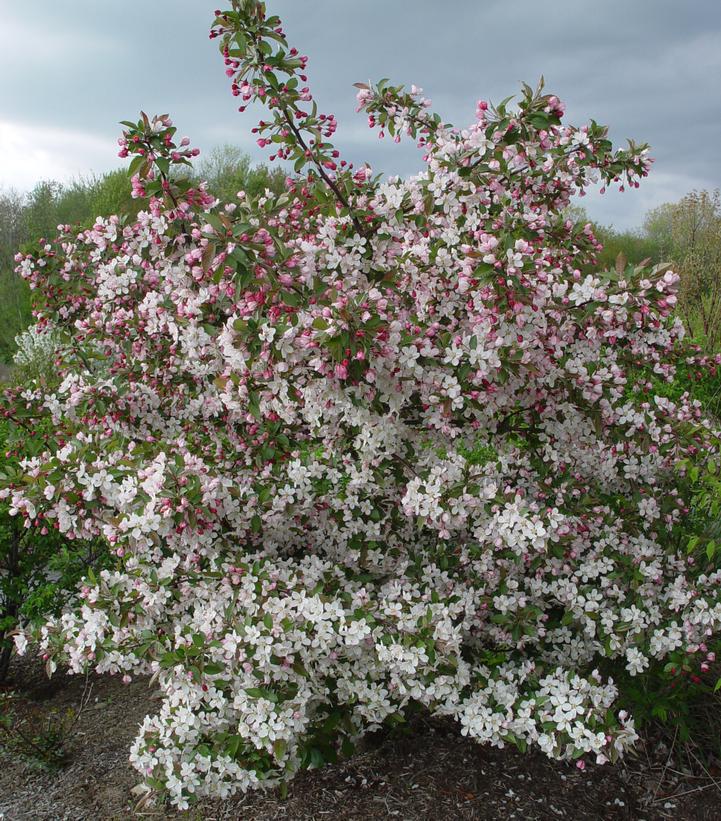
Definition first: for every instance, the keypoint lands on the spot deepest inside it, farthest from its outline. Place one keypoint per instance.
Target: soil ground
(429, 772)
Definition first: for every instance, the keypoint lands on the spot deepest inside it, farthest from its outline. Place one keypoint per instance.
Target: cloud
(50, 45)
(648, 68)
(30, 153)
(627, 210)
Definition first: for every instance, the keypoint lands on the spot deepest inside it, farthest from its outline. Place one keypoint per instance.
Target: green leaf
(215, 222)
(233, 745)
(262, 692)
(290, 298)
(135, 165)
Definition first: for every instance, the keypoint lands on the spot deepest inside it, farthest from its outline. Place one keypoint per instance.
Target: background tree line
(26, 218)
(686, 233)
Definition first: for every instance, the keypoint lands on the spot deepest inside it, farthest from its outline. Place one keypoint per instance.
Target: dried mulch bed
(428, 772)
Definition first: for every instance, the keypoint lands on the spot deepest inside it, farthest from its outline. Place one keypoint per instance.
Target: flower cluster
(366, 443)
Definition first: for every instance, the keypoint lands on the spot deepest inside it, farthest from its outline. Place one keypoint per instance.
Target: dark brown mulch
(429, 772)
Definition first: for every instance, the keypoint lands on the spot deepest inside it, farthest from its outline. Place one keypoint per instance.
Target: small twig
(683, 774)
(84, 701)
(688, 792)
(703, 767)
(84, 360)
(326, 178)
(17, 421)
(408, 465)
(668, 762)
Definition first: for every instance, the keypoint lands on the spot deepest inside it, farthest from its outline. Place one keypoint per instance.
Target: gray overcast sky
(651, 69)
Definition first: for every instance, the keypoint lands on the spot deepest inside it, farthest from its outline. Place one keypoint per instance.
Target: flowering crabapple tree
(366, 444)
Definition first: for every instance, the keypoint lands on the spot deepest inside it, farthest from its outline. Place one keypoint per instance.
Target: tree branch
(328, 181)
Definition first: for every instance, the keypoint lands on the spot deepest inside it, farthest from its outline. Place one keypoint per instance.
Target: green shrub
(39, 568)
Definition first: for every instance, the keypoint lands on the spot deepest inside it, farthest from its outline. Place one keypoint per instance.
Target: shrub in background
(27, 218)
(40, 568)
(691, 229)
